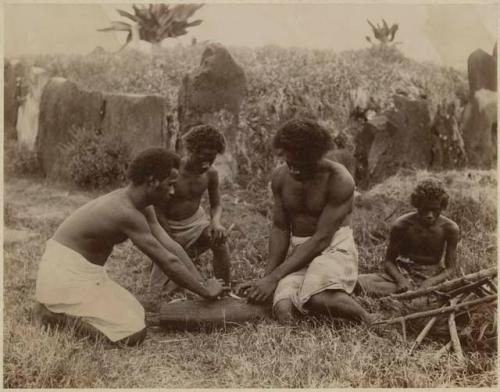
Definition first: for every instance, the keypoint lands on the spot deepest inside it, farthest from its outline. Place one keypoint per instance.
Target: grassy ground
(316, 353)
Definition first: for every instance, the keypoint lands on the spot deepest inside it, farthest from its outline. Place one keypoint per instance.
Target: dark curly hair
(303, 138)
(156, 162)
(205, 136)
(429, 190)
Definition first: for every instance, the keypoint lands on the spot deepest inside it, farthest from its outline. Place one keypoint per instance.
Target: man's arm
(139, 228)
(452, 236)
(339, 205)
(279, 240)
(396, 236)
(168, 243)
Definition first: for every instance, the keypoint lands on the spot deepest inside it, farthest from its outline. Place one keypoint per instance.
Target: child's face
(202, 159)
(429, 212)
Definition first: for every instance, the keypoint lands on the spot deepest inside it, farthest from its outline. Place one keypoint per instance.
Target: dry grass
(315, 353)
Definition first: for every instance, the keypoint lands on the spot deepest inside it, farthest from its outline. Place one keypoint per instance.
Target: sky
(441, 33)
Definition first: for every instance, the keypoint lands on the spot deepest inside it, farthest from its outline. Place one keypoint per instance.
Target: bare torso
(423, 245)
(304, 202)
(189, 190)
(95, 228)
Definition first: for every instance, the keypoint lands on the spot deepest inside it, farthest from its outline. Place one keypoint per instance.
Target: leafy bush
(96, 160)
(20, 161)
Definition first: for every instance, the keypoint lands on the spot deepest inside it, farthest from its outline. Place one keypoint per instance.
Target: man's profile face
(201, 159)
(429, 211)
(299, 168)
(166, 188)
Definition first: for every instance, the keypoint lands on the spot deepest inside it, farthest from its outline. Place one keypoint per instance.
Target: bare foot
(46, 317)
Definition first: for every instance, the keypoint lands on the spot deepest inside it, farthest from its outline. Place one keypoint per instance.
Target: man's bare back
(95, 228)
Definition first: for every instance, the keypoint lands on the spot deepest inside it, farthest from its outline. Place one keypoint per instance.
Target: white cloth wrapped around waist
(336, 268)
(68, 283)
(187, 231)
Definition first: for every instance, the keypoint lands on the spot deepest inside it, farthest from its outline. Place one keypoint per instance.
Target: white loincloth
(336, 268)
(185, 232)
(68, 283)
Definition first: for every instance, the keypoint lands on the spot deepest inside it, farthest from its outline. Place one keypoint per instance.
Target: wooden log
(447, 285)
(199, 314)
(439, 311)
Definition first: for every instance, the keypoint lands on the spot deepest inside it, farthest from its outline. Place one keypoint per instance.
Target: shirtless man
(418, 241)
(313, 201)
(184, 218)
(72, 282)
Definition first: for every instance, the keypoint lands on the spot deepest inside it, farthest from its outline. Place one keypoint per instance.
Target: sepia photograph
(250, 195)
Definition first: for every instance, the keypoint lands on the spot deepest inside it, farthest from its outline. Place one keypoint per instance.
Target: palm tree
(384, 34)
(156, 22)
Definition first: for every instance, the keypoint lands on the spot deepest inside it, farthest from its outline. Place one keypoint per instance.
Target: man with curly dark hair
(313, 201)
(183, 216)
(418, 243)
(72, 284)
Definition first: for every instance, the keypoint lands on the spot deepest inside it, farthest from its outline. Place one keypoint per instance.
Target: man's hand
(260, 290)
(218, 233)
(403, 285)
(215, 288)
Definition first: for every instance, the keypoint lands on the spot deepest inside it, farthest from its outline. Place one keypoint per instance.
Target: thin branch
(440, 311)
(447, 285)
(455, 340)
(424, 333)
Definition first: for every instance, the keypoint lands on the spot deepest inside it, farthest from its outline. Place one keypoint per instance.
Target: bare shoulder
(128, 216)
(404, 222)
(277, 177)
(341, 183)
(449, 225)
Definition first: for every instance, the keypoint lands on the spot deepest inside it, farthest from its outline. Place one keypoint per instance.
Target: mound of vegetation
(282, 83)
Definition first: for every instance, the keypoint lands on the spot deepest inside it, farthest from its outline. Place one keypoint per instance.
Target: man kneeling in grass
(72, 283)
(183, 217)
(418, 241)
(313, 201)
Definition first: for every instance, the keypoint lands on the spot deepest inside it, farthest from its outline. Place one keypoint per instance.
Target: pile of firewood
(466, 295)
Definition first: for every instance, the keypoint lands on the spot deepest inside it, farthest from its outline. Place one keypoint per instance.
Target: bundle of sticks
(454, 298)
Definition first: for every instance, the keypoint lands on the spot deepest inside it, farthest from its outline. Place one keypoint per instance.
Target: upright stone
(401, 140)
(479, 125)
(482, 71)
(139, 119)
(64, 106)
(219, 83)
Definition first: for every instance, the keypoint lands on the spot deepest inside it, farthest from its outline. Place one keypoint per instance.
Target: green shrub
(20, 161)
(96, 160)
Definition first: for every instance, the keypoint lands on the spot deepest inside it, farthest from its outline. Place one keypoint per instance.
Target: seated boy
(418, 241)
(184, 218)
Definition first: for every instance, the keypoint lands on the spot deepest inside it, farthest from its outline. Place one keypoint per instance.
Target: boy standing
(418, 241)
(184, 218)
